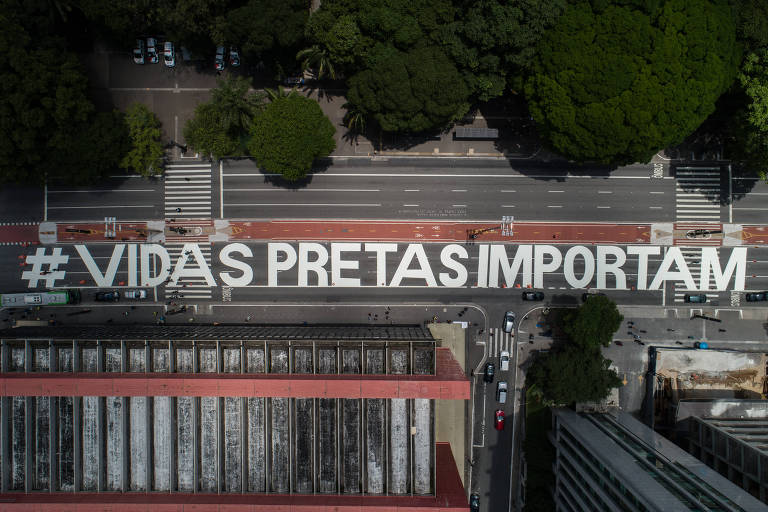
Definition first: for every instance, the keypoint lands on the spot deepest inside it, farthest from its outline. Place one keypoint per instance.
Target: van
(501, 392)
(504, 358)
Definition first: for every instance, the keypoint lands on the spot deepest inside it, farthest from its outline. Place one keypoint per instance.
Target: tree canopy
(572, 374)
(146, 154)
(615, 83)
(594, 323)
(290, 135)
(412, 92)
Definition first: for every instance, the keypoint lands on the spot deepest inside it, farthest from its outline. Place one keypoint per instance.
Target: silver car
(509, 321)
(138, 52)
(169, 56)
(152, 50)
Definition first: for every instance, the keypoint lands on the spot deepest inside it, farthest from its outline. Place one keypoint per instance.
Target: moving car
(698, 298)
(138, 52)
(498, 422)
(504, 358)
(533, 296)
(501, 392)
(135, 294)
(220, 64)
(112, 296)
(474, 502)
(490, 371)
(509, 321)
(234, 57)
(757, 297)
(152, 50)
(169, 56)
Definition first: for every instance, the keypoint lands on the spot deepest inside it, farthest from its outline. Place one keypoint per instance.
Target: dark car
(509, 321)
(533, 296)
(474, 502)
(698, 298)
(586, 296)
(498, 422)
(112, 296)
(757, 297)
(490, 371)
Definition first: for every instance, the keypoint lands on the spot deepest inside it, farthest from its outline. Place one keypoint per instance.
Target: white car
(135, 294)
(168, 55)
(138, 52)
(504, 358)
(220, 62)
(152, 50)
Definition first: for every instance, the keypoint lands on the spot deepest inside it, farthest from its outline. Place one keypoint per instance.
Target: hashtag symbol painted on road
(40, 259)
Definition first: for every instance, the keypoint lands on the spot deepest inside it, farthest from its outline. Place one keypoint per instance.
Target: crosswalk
(188, 287)
(188, 190)
(692, 258)
(499, 340)
(697, 194)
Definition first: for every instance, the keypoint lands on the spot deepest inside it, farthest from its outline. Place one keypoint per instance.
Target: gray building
(736, 447)
(614, 462)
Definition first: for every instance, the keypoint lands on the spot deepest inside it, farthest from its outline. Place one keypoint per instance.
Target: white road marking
(307, 190)
(306, 204)
(101, 190)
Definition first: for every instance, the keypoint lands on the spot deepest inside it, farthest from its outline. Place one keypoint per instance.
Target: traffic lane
(468, 195)
(126, 198)
(123, 73)
(750, 207)
(21, 203)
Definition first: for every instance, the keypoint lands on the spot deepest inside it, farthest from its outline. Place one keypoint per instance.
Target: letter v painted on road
(114, 261)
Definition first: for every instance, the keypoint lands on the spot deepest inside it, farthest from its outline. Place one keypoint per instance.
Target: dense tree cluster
(576, 371)
(616, 81)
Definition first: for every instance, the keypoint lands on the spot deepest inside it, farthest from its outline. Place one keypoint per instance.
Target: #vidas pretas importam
(495, 265)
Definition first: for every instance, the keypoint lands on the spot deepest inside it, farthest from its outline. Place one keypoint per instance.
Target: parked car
(152, 51)
(498, 422)
(504, 358)
(698, 298)
(219, 61)
(294, 81)
(533, 296)
(169, 56)
(501, 392)
(234, 57)
(757, 297)
(509, 321)
(474, 502)
(138, 52)
(112, 296)
(490, 371)
(135, 294)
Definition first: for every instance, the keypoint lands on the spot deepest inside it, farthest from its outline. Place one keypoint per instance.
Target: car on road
(697, 298)
(234, 57)
(586, 296)
(474, 502)
(294, 80)
(504, 359)
(509, 321)
(501, 392)
(169, 56)
(138, 52)
(112, 296)
(757, 297)
(152, 50)
(498, 422)
(533, 296)
(135, 294)
(490, 371)
(219, 60)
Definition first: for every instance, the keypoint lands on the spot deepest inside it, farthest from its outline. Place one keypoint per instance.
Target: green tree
(594, 323)
(222, 126)
(411, 92)
(146, 154)
(572, 374)
(615, 83)
(290, 135)
(317, 58)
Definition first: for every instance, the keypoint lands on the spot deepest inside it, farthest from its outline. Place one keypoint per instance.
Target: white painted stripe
(656, 192)
(309, 190)
(410, 205)
(554, 206)
(304, 204)
(603, 207)
(605, 192)
(107, 207)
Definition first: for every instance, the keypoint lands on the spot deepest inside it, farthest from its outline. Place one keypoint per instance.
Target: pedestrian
(154, 313)
(481, 331)
(186, 179)
(178, 210)
(125, 313)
